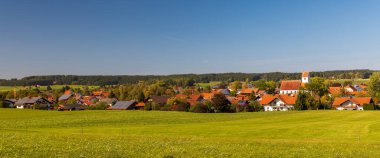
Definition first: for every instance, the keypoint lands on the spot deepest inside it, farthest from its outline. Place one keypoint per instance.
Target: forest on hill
(178, 79)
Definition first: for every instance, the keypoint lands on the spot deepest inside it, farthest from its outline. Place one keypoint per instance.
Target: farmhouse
(33, 102)
(158, 100)
(278, 102)
(66, 96)
(349, 103)
(124, 105)
(10, 102)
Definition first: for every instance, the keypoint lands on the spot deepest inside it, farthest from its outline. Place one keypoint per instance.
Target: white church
(293, 86)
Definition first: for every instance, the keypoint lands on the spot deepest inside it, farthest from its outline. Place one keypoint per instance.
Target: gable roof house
(159, 100)
(88, 100)
(66, 96)
(223, 91)
(9, 102)
(124, 105)
(278, 102)
(349, 103)
(248, 91)
(33, 102)
(194, 99)
(335, 90)
(101, 94)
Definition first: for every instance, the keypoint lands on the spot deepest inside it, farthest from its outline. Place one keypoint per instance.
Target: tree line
(178, 80)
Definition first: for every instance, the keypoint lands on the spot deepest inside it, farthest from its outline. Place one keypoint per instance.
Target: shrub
(98, 106)
(199, 108)
(255, 107)
(166, 108)
(220, 103)
(232, 108)
(148, 106)
(41, 106)
(369, 107)
(181, 107)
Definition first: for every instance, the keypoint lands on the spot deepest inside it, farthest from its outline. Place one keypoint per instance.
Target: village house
(33, 102)
(349, 90)
(278, 102)
(194, 99)
(100, 94)
(158, 100)
(123, 105)
(88, 100)
(350, 103)
(293, 86)
(66, 96)
(248, 91)
(223, 91)
(10, 103)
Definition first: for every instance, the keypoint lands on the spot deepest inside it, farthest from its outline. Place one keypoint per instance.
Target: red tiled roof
(359, 100)
(140, 104)
(305, 74)
(290, 85)
(249, 90)
(287, 99)
(100, 93)
(335, 90)
(357, 92)
(68, 92)
(180, 96)
(195, 96)
(362, 100)
(207, 96)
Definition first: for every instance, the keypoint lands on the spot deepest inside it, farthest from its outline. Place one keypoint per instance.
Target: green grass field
(43, 88)
(354, 81)
(204, 85)
(27, 133)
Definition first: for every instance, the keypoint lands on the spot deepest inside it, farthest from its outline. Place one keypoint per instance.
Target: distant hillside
(129, 79)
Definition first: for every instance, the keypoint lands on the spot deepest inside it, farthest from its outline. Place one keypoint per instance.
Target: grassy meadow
(28, 133)
(354, 81)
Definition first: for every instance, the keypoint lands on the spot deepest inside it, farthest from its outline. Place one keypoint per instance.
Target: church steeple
(305, 77)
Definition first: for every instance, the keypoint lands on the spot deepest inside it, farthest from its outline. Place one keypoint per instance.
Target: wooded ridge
(177, 78)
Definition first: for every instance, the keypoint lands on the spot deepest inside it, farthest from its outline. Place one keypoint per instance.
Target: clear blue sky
(186, 36)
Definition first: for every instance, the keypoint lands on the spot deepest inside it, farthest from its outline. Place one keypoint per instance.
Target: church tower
(305, 77)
